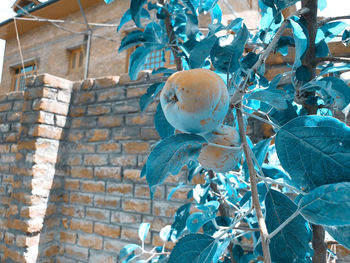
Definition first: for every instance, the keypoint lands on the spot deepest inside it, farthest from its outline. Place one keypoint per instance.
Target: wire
(20, 49)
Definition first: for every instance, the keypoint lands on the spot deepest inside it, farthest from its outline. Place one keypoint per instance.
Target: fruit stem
(253, 183)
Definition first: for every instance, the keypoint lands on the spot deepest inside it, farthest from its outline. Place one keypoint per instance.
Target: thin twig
(281, 226)
(330, 19)
(333, 59)
(254, 189)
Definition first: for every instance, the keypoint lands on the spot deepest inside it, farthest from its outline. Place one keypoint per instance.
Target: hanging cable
(20, 49)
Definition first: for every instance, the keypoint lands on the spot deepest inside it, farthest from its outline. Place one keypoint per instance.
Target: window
(18, 81)
(76, 59)
(159, 58)
(155, 60)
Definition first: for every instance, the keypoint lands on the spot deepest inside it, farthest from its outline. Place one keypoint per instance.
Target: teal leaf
(216, 14)
(127, 17)
(180, 219)
(346, 37)
(126, 250)
(341, 234)
(155, 36)
(132, 39)
(227, 51)
(322, 4)
(137, 60)
(161, 124)
(327, 205)
(108, 1)
(329, 31)
(274, 98)
(170, 155)
(292, 242)
(334, 69)
(300, 38)
(282, 4)
(196, 220)
(135, 11)
(143, 231)
(150, 95)
(281, 117)
(338, 90)
(315, 150)
(194, 248)
(201, 51)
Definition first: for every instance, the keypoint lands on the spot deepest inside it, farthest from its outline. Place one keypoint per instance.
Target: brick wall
(71, 155)
(70, 159)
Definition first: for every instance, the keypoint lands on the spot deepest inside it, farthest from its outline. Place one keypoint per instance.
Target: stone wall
(71, 155)
(70, 159)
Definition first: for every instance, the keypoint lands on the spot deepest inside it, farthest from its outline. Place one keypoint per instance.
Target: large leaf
(281, 117)
(227, 51)
(273, 97)
(155, 35)
(150, 95)
(315, 150)
(201, 51)
(170, 155)
(132, 39)
(180, 219)
(135, 10)
(341, 234)
(138, 59)
(127, 17)
(163, 127)
(327, 205)
(194, 248)
(300, 39)
(329, 31)
(292, 242)
(337, 90)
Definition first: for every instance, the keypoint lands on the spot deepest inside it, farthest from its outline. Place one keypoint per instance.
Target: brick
(60, 120)
(132, 174)
(110, 95)
(97, 214)
(27, 241)
(81, 225)
(14, 116)
(77, 111)
(47, 131)
(64, 96)
(157, 222)
(139, 120)
(132, 235)
(74, 159)
(98, 110)
(137, 205)
(143, 191)
(51, 251)
(110, 121)
(126, 133)
(75, 136)
(123, 160)
(108, 172)
(97, 135)
(113, 245)
(93, 186)
(6, 106)
(107, 230)
(179, 194)
(125, 218)
(106, 201)
(149, 134)
(107, 82)
(98, 257)
(96, 159)
(49, 93)
(68, 237)
(135, 92)
(9, 238)
(90, 241)
(83, 123)
(129, 106)
(79, 198)
(108, 148)
(84, 148)
(136, 147)
(164, 209)
(80, 253)
(82, 172)
(51, 106)
(84, 97)
(46, 117)
(123, 189)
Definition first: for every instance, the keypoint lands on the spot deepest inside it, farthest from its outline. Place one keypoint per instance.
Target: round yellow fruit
(195, 101)
(223, 151)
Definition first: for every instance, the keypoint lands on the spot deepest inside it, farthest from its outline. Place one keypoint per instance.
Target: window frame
(76, 59)
(18, 73)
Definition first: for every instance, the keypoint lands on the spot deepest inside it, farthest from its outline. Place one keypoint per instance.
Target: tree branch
(253, 182)
(171, 36)
(333, 59)
(330, 19)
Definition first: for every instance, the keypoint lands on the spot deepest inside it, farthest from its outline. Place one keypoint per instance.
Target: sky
(334, 8)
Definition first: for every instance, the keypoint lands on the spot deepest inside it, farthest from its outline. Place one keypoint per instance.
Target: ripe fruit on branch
(195, 101)
(223, 152)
